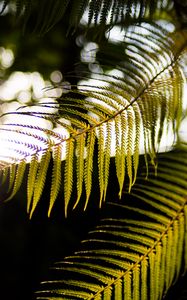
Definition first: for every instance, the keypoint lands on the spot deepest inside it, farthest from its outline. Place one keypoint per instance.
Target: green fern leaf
(138, 257)
(128, 285)
(142, 98)
(179, 252)
(175, 241)
(118, 289)
(56, 177)
(40, 180)
(185, 241)
(4, 174)
(137, 139)
(68, 180)
(144, 286)
(121, 149)
(80, 165)
(89, 164)
(136, 282)
(17, 178)
(158, 252)
(131, 134)
(107, 293)
(152, 275)
(107, 156)
(163, 266)
(33, 169)
(12, 176)
(101, 156)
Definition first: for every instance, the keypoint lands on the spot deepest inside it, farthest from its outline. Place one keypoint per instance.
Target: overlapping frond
(140, 100)
(138, 250)
(103, 12)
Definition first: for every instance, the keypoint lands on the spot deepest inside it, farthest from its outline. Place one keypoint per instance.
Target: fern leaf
(152, 275)
(101, 156)
(136, 282)
(68, 180)
(159, 206)
(174, 249)
(118, 289)
(4, 175)
(98, 297)
(157, 269)
(33, 169)
(169, 259)
(129, 156)
(144, 287)
(80, 165)
(107, 293)
(89, 164)
(56, 177)
(132, 258)
(12, 175)
(121, 148)
(180, 242)
(138, 123)
(163, 266)
(40, 180)
(19, 173)
(185, 241)
(107, 157)
(128, 285)
(77, 10)
(100, 13)
(141, 98)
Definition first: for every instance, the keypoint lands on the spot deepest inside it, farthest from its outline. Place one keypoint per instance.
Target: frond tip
(138, 101)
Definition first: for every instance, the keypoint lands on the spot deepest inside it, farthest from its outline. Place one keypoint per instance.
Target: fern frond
(103, 12)
(130, 256)
(138, 103)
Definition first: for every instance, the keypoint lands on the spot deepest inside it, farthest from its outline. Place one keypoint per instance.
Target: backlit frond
(103, 12)
(40, 179)
(137, 102)
(56, 176)
(17, 178)
(131, 254)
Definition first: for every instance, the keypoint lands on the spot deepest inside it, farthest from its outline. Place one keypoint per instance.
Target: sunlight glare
(6, 57)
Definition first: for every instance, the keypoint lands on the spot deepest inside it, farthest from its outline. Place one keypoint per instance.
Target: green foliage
(140, 101)
(137, 249)
(103, 12)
